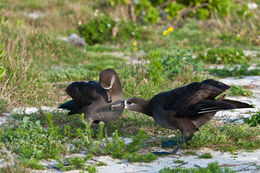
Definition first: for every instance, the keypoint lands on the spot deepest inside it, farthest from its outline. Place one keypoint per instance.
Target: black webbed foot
(162, 153)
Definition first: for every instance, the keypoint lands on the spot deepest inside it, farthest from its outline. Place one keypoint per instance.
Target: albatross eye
(132, 103)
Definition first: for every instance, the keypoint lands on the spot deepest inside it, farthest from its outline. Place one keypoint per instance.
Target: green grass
(179, 161)
(3, 105)
(205, 156)
(101, 164)
(211, 168)
(34, 141)
(14, 169)
(235, 71)
(73, 163)
(191, 153)
(226, 138)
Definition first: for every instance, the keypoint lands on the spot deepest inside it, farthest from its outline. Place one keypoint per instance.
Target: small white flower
(79, 22)
(252, 6)
(108, 25)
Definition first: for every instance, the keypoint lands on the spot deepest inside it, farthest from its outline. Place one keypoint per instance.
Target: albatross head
(107, 80)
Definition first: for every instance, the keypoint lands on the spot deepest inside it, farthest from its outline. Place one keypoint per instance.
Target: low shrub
(97, 30)
(100, 30)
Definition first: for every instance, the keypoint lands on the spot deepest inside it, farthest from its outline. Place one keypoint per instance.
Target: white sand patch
(32, 110)
(244, 81)
(242, 161)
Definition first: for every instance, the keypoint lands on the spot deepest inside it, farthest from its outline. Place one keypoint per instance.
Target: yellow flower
(136, 48)
(134, 43)
(170, 29)
(165, 32)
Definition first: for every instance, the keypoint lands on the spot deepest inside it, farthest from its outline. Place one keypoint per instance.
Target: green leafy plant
(254, 120)
(237, 90)
(173, 8)
(146, 11)
(91, 169)
(155, 69)
(115, 146)
(164, 65)
(31, 141)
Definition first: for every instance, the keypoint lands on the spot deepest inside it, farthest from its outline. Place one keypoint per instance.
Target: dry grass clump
(23, 83)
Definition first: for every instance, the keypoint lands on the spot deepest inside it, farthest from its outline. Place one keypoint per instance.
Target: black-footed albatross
(185, 108)
(99, 101)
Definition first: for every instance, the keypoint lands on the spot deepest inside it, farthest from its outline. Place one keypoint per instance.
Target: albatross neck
(116, 86)
(143, 107)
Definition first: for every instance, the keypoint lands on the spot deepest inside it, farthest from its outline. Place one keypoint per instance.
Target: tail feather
(71, 106)
(237, 104)
(207, 106)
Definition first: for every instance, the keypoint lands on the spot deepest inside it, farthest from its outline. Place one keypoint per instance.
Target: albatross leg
(184, 139)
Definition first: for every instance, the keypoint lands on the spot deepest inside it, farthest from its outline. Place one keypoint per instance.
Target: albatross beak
(109, 97)
(120, 104)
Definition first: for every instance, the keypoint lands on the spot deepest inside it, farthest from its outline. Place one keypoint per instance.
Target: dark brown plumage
(185, 108)
(96, 99)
